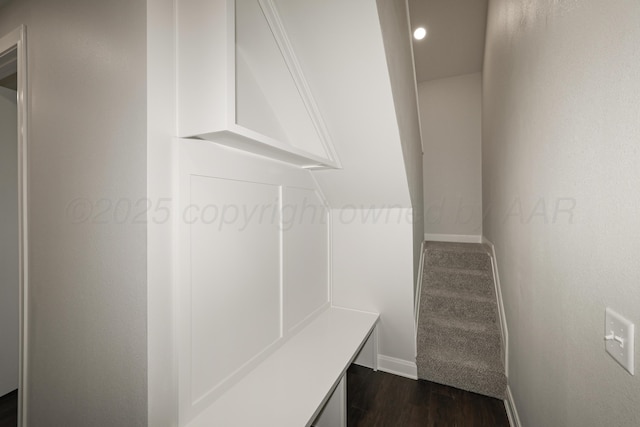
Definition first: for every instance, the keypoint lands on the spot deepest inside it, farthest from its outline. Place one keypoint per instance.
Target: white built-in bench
(303, 383)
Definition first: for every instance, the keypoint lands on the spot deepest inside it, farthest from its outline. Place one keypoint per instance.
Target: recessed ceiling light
(420, 33)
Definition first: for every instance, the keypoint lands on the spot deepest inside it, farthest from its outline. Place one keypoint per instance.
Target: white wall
(87, 325)
(561, 125)
(346, 69)
(396, 34)
(450, 112)
(372, 270)
(9, 285)
(348, 72)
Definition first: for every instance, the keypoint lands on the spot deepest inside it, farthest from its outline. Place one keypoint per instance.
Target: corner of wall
(403, 368)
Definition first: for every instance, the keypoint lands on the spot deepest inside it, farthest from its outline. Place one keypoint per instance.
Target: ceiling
(455, 37)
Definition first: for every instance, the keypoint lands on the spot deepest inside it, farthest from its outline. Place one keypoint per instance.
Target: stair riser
(457, 247)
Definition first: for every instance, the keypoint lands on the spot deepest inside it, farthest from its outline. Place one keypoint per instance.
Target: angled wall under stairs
(459, 342)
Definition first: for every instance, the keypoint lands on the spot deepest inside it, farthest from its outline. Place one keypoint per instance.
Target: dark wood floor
(9, 409)
(378, 399)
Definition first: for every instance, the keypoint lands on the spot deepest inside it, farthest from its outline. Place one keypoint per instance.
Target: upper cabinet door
(240, 83)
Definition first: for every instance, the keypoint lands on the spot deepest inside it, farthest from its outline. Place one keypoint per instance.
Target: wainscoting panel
(252, 243)
(305, 253)
(235, 312)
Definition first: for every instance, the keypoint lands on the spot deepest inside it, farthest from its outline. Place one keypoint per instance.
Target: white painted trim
(327, 208)
(270, 11)
(17, 39)
(501, 313)
(415, 77)
(512, 410)
(416, 308)
(281, 260)
(454, 238)
(403, 368)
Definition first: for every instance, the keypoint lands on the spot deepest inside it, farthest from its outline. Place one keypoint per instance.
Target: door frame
(17, 40)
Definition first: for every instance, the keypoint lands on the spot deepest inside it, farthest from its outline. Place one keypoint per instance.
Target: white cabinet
(240, 84)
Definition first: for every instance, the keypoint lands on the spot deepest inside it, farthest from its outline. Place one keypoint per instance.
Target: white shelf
(240, 84)
(253, 142)
(291, 386)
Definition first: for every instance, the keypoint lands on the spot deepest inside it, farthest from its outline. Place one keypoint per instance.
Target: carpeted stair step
(472, 327)
(473, 282)
(468, 373)
(459, 339)
(452, 304)
(463, 338)
(472, 260)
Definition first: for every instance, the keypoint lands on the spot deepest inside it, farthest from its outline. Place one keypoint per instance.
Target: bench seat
(291, 386)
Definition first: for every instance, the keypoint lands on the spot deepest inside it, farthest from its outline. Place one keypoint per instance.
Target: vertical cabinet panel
(334, 413)
(306, 254)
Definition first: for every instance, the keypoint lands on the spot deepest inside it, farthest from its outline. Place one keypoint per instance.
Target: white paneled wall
(257, 244)
(306, 254)
(235, 279)
(254, 255)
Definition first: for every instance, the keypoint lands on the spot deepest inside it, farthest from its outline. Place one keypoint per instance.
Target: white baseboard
(454, 238)
(509, 403)
(501, 313)
(416, 308)
(399, 367)
(512, 411)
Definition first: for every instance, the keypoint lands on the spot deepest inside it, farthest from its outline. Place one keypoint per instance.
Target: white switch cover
(619, 343)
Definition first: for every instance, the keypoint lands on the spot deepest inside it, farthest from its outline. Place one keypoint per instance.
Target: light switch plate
(619, 342)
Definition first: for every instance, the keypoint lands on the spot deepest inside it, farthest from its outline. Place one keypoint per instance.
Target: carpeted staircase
(459, 341)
